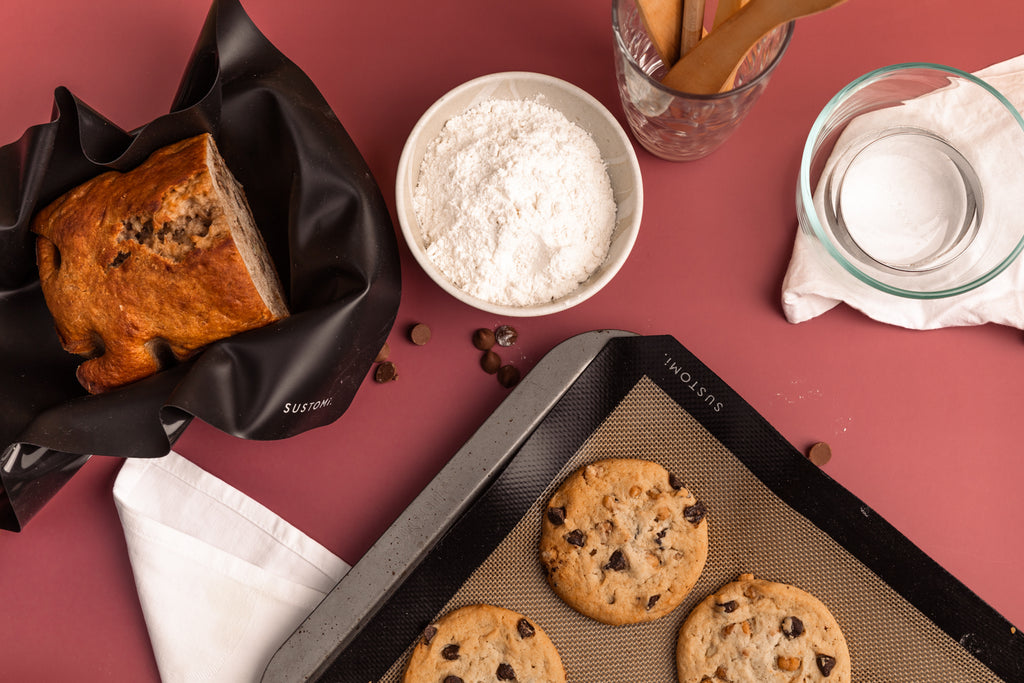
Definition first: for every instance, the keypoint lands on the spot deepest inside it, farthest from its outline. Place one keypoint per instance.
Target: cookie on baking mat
(756, 631)
(622, 541)
(484, 643)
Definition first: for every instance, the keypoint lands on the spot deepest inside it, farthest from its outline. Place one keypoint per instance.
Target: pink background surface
(925, 426)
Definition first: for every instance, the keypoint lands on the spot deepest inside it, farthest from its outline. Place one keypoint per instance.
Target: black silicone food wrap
(771, 512)
(321, 214)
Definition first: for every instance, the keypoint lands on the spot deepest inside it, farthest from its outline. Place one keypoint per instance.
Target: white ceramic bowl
(580, 108)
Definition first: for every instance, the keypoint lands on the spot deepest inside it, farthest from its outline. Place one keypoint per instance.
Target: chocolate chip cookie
(622, 541)
(484, 643)
(758, 631)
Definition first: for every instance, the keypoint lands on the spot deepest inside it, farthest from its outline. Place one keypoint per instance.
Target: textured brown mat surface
(750, 530)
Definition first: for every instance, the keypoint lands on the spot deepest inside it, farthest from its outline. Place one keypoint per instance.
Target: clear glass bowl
(912, 181)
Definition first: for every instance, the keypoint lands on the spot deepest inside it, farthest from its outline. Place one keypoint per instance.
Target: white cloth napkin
(222, 580)
(811, 288)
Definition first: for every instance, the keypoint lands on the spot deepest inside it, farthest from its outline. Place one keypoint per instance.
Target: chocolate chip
(674, 481)
(506, 672)
(428, 634)
(556, 516)
(525, 629)
(453, 679)
(617, 562)
(450, 652)
(490, 362)
(651, 601)
(792, 627)
(508, 376)
(383, 354)
(660, 535)
(419, 334)
(728, 607)
(576, 538)
(820, 453)
(385, 372)
(694, 513)
(505, 335)
(825, 664)
(483, 339)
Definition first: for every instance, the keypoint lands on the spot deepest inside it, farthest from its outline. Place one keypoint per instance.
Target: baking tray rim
(353, 602)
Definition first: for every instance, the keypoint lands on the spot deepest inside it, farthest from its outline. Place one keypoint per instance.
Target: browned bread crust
(142, 269)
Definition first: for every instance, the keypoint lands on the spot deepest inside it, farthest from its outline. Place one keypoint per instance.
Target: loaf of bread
(142, 269)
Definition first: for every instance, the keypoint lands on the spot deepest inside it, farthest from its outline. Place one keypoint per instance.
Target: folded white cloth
(222, 580)
(811, 288)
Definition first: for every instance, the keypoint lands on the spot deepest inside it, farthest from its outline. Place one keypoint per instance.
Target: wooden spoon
(661, 19)
(693, 26)
(708, 66)
(725, 9)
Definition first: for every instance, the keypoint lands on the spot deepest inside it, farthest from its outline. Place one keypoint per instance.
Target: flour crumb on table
(515, 203)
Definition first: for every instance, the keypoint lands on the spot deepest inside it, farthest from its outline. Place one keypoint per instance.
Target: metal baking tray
(482, 508)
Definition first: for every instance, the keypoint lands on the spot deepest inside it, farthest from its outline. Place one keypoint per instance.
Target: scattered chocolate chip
(428, 634)
(450, 652)
(525, 629)
(660, 535)
(792, 627)
(505, 335)
(508, 376)
(483, 339)
(674, 481)
(383, 354)
(617, 562)
(506, 672)
(419, 334)
(385, 372)
(651, 601)
(825, 664)
(820, 453)
(556, 516)
(576, 538)
(453, 679)
(490, 362)
(694, 513)
(728, 607)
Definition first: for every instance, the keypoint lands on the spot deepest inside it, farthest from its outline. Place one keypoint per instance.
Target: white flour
(514, 203)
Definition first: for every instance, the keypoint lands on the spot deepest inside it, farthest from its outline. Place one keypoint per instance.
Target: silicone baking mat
(771, 513)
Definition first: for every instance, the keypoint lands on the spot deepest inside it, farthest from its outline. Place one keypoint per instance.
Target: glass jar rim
(658, 85)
